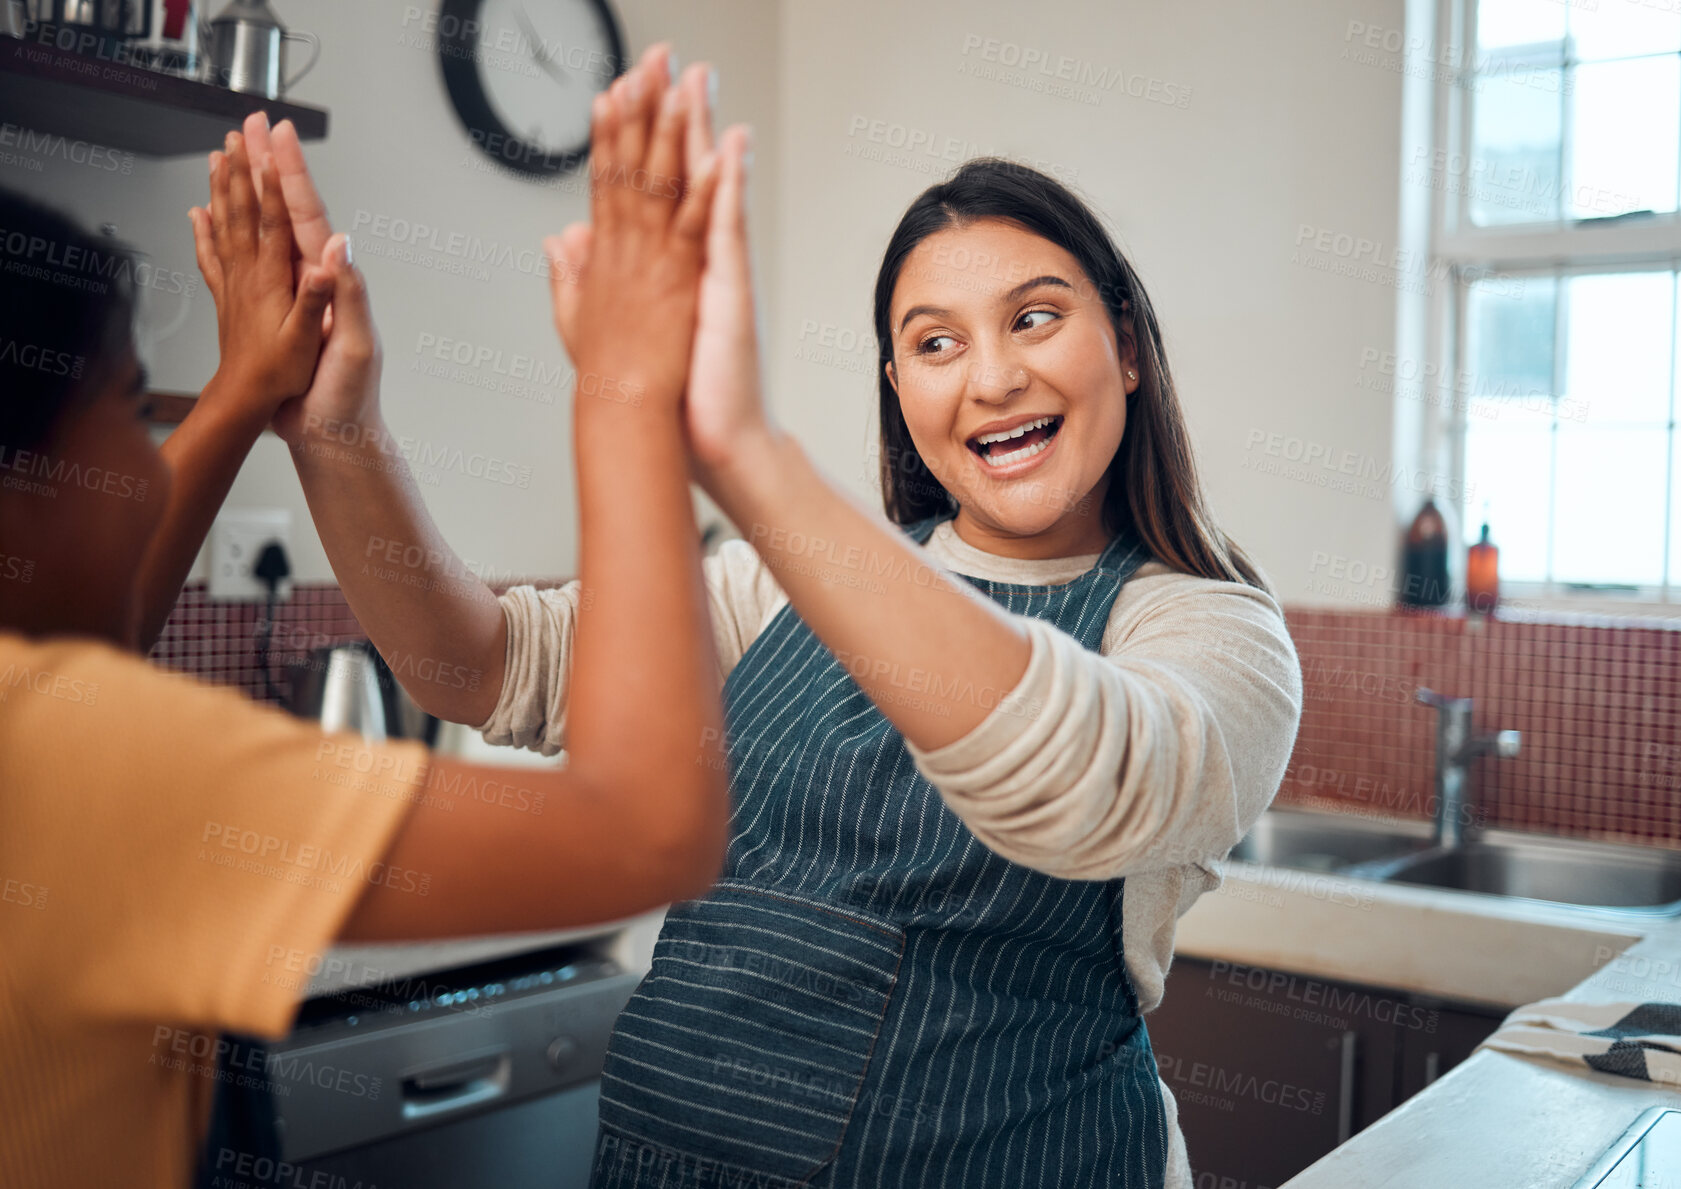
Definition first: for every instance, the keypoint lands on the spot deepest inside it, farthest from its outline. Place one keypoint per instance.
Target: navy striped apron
(869, 996)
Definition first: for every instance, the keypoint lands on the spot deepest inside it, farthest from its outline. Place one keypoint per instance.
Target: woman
(171, 854)
(967, 810)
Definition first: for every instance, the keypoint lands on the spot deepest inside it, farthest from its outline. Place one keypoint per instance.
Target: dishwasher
(436, 1065)
(487, 1074)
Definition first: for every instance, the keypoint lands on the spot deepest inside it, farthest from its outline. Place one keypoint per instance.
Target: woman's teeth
(1039, 433)
(987, 439)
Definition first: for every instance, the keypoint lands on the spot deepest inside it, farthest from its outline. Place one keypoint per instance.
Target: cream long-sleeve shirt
(1148, 759)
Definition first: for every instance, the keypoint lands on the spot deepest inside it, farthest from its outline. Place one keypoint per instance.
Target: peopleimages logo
(48, 145)
(443, 250)
(40, 258)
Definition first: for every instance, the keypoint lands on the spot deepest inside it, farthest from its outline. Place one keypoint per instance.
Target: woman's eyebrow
(1015, 294)
(1026, 287)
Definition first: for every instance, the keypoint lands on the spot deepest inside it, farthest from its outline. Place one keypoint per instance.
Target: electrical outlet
(236, 540)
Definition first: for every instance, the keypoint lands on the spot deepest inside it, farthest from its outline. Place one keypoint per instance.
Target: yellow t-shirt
(172, 859)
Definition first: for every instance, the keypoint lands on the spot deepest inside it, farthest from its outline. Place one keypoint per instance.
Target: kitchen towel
(1634, 1040)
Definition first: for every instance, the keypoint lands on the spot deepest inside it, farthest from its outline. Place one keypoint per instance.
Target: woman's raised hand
(726, 409)
(625, 286)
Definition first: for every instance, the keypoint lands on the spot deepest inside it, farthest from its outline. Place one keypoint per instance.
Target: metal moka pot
(248, 50)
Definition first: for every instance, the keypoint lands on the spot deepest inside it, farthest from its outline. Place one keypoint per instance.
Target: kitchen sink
(1504, 863)
(1565, 871)
(1309, 841)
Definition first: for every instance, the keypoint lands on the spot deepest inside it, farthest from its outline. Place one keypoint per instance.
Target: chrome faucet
(1456, 747)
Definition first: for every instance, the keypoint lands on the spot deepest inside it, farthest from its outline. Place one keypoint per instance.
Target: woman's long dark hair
(1152, 479)
(66, 318)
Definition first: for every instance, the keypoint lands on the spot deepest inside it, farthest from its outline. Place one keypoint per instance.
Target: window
(1558, 179)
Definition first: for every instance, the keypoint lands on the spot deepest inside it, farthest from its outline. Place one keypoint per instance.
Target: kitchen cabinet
(1427, 1056)
(1271, 1070)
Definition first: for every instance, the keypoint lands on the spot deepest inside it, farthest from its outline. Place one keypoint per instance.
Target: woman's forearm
(204, 455)
(933, 653)
(436, 623)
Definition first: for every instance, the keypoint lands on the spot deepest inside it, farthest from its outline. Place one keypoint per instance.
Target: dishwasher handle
(457, 1085)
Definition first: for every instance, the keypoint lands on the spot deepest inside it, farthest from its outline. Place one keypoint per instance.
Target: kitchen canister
(248, 50)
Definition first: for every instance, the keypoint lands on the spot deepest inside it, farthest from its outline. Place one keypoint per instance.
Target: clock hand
(545, 58)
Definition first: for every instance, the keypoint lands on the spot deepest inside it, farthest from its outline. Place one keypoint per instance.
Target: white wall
(1221, 130)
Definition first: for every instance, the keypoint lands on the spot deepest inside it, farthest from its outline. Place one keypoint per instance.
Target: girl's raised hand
(625, 286)
(268, 314)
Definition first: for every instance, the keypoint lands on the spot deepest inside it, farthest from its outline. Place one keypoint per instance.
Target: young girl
(982, 757)
(170, 854)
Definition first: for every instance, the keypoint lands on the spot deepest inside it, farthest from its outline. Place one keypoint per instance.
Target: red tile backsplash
(1599, 706)
(217, 641)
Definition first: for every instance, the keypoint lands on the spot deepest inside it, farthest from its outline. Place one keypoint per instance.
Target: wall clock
(521, 75)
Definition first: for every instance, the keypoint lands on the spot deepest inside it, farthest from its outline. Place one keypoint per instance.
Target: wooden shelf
(170, 408)
(122, 106)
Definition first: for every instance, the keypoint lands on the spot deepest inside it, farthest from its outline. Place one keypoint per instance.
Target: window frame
(1462, 253)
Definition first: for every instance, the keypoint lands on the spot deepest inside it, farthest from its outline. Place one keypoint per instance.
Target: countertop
(343, 967)
(1495, 1121)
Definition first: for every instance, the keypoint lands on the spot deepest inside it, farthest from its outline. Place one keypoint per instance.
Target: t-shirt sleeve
(186, 851)
(542, 627)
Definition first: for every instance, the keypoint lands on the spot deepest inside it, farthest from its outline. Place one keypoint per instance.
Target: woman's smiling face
(1013, 385)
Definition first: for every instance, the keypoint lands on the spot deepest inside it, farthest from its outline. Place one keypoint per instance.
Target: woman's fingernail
(671, 61)
(349, 256)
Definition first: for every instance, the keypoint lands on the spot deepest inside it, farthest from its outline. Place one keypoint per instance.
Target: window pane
(1517, 22)
(1509, 473)
(1509, 330)
(1675, 514)
(1622, 28)
(1626, 117)
(1617, 347)
(1513, 176)
(1608, 505)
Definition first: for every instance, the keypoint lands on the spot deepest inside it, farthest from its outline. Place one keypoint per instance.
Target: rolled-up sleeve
(542, 625)
(1160, 752)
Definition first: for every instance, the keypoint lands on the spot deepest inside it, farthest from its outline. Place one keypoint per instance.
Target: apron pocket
(747, 1043)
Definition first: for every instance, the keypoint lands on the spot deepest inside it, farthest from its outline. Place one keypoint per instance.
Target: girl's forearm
(436, 623)
(933, 653)
(644, 715)
(204, 455)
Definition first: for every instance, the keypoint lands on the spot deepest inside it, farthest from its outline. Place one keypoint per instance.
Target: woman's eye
(929, 345)
(1026, 321)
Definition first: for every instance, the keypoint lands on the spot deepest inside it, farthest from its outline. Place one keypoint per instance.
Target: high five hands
(650, 141)
(626, 285)
(667, 233)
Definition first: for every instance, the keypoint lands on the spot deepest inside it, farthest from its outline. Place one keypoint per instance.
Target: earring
(1131, 375)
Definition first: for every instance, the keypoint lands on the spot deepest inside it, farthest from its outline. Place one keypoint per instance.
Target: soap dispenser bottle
(1425, 581)
(1482, 574)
